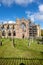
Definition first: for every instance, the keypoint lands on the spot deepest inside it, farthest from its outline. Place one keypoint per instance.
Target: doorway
(14, 33)
(23, 36)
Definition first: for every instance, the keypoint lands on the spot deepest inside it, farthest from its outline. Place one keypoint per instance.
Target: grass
(16, 61)
(21, 49)
(12, 55)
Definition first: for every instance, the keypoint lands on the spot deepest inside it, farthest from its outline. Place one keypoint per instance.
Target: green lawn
(21, 49)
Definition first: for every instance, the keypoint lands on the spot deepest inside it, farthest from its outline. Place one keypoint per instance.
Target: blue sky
(29, 9)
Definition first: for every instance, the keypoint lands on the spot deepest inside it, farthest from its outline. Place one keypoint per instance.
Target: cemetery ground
(22, 49)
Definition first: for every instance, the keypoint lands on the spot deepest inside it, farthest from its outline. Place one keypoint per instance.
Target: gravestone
(22, 64)
(0, 43)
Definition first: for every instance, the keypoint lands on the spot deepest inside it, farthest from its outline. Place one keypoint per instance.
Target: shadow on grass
(41, 54)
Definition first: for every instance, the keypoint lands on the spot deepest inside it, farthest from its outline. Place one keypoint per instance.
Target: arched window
(8, 27)
(2, 27)
(3, 33)
(13, 26)
(9, 33)
(14, 33)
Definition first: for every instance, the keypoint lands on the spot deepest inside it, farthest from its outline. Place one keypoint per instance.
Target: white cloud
(39, 16)
(7, 2)
(5, 21)
(30, 15)
(23, 2)
(32, 19)
(41, 8)
(10, 22)
(35, 16)
(19, 2)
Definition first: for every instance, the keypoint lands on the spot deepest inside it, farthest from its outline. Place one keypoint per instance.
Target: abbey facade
(21, 29)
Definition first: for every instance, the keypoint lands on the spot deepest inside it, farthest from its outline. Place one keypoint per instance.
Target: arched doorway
(9, 33)
(14, 33)
(23, 36)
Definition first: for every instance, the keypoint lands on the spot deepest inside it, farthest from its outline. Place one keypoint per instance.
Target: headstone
(22, 64)
(0, 43)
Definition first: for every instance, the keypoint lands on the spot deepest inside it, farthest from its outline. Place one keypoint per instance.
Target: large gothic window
(23, 26)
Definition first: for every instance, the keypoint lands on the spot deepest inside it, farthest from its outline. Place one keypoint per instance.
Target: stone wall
(21, 29)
